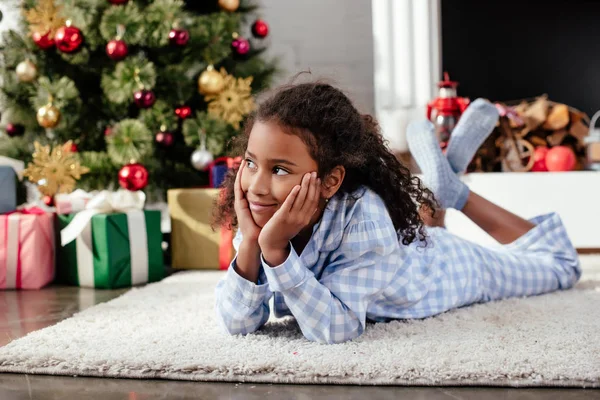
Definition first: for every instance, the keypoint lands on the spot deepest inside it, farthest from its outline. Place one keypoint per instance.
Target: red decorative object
(13, 130)
(445, 110)
(133, 177)
(241, 46)
(560, 158)
(165, 139)
(539, 156)
(44, 42)
(48, 200)
(108, 131)
(260, 29)
(74, 148)
(117, 49)
(118, 2)
(183, 112)
(144, 98)
(68, 39)
(179, 37)
(217, 170)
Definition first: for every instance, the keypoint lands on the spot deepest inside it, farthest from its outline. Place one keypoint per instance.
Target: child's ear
(332, 182)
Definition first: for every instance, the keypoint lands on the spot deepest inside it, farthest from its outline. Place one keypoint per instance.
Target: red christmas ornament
(260, 29)
(13, 130)
(44, 42)
(118, 2)
(48, 200)
(179, 37)
(165, 139)
(183, 112)
(539, 156)
(560, 158)
(108, 131)
(74, 148)
(117, 49)
(144, 98)
(68, 39)
(240, 46)
(133, 177)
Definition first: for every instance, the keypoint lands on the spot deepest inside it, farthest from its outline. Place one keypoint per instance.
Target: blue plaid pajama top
(354, 269)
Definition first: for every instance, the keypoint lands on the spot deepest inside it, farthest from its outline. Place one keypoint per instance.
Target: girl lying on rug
(332, 225)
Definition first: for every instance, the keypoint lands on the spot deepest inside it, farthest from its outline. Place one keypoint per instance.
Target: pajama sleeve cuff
(247, 293)
(549, 231)
(290, 274)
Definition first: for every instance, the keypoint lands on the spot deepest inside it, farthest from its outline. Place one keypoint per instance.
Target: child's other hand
(294, 215)
(250, 231)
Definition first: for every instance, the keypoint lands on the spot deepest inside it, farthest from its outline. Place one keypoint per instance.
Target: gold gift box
(194, 244)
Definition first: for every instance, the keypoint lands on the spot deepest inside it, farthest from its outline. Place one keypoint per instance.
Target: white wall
(332, 38)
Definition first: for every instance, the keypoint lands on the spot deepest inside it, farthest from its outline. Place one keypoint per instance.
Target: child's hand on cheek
(250, 230)
(295, 214)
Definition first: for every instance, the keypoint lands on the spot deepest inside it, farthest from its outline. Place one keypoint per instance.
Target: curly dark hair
(337, 134)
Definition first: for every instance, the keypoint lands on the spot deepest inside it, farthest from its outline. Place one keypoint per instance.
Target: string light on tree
(210, 82)
(229, 5)
(68, 38)
(26, 71)
(260, 29)
(117, 49)
(133, 176)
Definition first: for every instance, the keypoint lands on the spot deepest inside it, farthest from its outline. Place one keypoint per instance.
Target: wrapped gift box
(26, 249)
(113, 250)
(194, 244)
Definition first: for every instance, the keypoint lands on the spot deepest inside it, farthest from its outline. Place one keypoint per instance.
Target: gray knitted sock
(474, 126)
(438, 176)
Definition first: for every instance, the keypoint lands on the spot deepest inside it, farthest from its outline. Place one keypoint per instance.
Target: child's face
(276, 162)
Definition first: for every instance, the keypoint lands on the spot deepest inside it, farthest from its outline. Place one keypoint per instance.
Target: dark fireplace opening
(509, 50)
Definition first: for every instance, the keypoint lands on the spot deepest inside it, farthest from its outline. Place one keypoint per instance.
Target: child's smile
(277, 161)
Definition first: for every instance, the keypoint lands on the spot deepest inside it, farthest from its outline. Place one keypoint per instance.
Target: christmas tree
(136, 85)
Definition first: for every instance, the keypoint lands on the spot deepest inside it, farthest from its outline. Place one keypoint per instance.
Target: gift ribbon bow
(105, 202)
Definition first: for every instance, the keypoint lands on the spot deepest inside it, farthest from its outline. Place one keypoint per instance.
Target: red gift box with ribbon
(217, 170)
(27, 249)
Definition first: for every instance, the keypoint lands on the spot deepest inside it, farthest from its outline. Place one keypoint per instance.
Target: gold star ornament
(233, 102)
(54, 170)
(44, 18)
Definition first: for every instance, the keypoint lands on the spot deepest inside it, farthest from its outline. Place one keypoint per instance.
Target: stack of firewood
(525, 125)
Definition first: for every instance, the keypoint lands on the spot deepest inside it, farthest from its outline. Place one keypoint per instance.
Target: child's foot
(474, 126)
(439, 177)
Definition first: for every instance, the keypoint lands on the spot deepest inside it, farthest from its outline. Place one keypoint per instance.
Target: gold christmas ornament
(233, 102)
(26, 71)
(54, 171)
(229, 5)
(44, 18)
(48, 116)
(210, 82)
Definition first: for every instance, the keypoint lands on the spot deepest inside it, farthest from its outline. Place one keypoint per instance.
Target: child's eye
(280, 171)
(250, 164)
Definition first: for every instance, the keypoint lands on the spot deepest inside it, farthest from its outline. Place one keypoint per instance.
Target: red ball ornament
(117, 49)
(133, 177)
(13, 130)
(48, 200)
(74, 148)
(44, 42)
(240, 46)
(183, 112)
(118, 2)
(165, 139)
(144, 98)
(179, 37)
(560, 158)
(260, 29)
(539, 157)
(68, 39)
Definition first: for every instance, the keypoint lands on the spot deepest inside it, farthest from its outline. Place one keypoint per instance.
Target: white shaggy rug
(167, 330)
